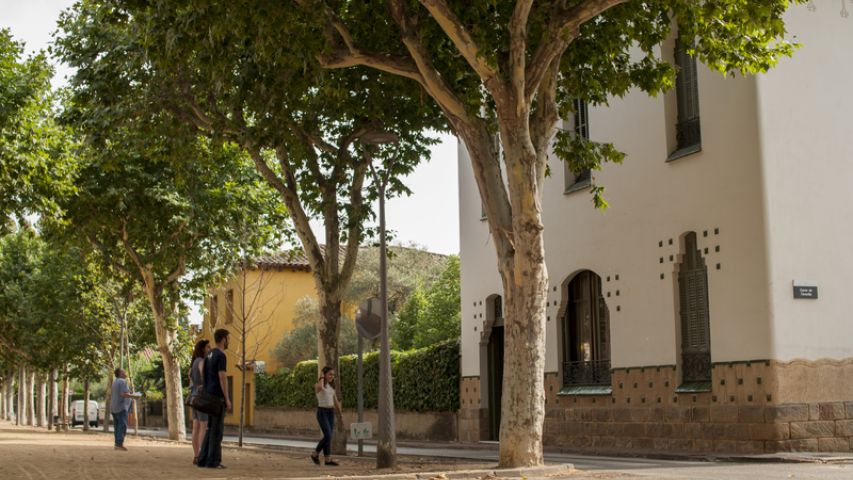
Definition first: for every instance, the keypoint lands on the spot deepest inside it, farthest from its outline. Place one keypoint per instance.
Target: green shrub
(425, 380)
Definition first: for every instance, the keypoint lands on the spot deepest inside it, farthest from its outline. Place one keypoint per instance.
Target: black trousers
(210, 454)
(326, 419)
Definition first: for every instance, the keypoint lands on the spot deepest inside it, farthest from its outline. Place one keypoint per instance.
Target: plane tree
(503, 73)
(167, 208)
(309, 132)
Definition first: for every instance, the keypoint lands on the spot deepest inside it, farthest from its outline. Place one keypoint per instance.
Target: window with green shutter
(695, 317)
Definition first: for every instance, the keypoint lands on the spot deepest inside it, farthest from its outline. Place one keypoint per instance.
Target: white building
(673, 317)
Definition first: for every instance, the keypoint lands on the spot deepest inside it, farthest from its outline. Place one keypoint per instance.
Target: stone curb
(524, 472)
(787, 458)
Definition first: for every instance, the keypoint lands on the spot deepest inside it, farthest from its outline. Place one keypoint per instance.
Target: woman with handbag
(327, 402)
(196, 384)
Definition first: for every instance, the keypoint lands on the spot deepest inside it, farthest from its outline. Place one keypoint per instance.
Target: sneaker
(331, 463)
(120, 447)
(316, 459)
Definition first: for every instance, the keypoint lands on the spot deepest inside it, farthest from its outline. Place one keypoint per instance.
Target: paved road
(604, 467)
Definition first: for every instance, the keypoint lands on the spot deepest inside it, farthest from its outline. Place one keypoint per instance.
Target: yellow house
(257, 303)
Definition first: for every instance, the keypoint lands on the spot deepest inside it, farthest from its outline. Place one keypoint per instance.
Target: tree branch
(518, 52)
(563, 28)
(351, 55)
(107, 257)
(354, 232)
(461, 38)
(287, 188)
(544, 120)
(177, 272)
(432, 80)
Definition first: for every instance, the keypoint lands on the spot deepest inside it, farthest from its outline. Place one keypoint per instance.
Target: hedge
(425, 380)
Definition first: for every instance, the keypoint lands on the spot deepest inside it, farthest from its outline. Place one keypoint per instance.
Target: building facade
(707, 308)
(265, 296)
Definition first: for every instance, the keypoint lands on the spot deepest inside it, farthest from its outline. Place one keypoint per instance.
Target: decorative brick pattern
(741, 413)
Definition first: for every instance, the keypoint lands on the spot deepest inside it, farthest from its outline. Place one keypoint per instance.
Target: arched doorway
(694, 314)
(585, 333)
(492, 364)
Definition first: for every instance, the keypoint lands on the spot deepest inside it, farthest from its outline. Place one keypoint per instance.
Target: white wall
(650, 201)
(807, 127)
(478, 261)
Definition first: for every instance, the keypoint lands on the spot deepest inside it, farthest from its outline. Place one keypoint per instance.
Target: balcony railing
(586, 373)
(696, 366)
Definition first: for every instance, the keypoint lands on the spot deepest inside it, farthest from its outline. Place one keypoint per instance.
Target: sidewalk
(488, 451)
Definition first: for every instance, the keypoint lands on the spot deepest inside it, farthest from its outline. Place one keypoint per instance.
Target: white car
(77, 413)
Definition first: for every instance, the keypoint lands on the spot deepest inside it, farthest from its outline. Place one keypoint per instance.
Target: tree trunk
(11, 397)
(21, 411)
(85, 405)
(328, 353)
(41, 406)
(63, 402)
(242, 400)
(514, 214)
(31, 406)
(134, 405)
(243, 332)
(4, 400)
(167, 341)
(51, 398)
(523, 402)
(107, 398)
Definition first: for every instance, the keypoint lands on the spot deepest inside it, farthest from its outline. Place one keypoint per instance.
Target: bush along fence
(425, 380)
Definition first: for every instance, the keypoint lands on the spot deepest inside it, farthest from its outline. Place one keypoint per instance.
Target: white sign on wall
(361, 431)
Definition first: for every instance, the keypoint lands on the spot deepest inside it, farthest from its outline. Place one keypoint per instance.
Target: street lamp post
(386, 448)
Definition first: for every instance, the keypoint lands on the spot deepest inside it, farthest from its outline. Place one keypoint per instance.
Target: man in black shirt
(215, 383)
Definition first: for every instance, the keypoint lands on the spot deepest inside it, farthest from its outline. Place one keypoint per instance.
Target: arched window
(586, 333)
(693, 310)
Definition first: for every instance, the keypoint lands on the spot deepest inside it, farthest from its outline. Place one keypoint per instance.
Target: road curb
(524, 472)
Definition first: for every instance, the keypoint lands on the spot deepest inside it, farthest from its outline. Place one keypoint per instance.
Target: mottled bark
(521, 263)
(41, 405)
(167, 339)
(51, 398)
(31, 404)
(328, 352)
(20, 405)
(166, 331)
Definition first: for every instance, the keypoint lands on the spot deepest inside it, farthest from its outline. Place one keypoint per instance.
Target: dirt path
(35, 454)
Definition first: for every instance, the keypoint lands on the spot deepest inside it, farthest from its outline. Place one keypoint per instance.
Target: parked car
(77, 413)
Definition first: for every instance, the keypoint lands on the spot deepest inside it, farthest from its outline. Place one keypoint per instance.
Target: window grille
(688, 133)
(580, 127)
(695, 317)
(586, 333)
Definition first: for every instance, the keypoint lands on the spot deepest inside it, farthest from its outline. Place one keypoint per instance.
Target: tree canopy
(35, 163)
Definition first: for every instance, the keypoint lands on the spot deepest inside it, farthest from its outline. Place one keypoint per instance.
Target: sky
(429, 217)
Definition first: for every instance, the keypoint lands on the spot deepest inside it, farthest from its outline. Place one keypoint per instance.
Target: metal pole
(386, 449)
(360, 375)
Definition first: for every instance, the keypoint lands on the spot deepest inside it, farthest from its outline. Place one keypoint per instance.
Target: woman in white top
(327, 402)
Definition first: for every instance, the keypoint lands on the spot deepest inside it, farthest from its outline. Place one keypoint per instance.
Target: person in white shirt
(327, 402)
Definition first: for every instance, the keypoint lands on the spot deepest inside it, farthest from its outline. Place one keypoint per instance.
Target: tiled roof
(292, 260)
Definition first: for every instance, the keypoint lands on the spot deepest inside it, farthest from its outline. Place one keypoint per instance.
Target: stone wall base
(752, 407)
(428, 426)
